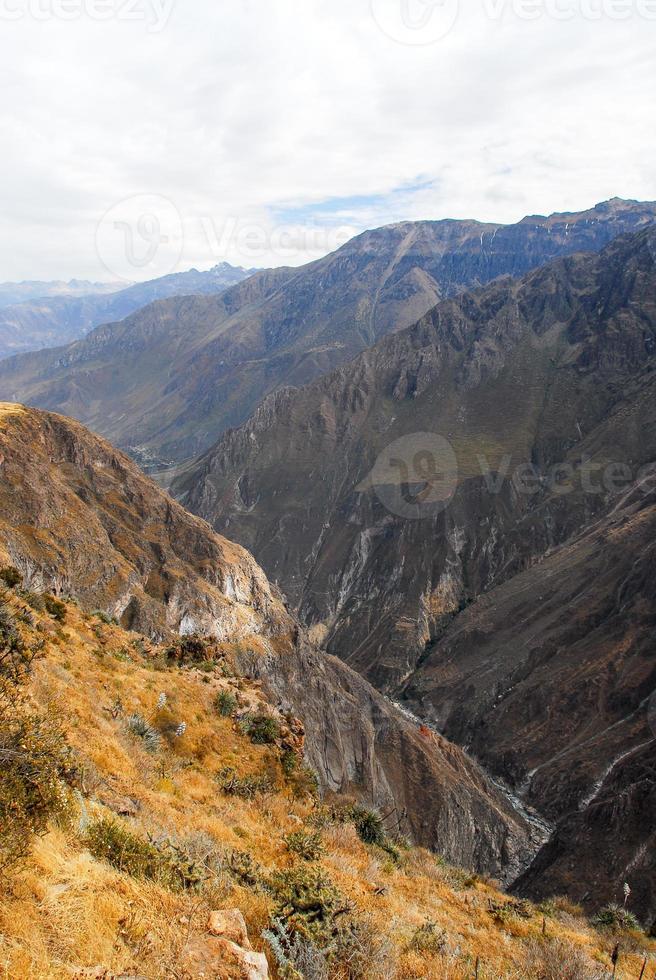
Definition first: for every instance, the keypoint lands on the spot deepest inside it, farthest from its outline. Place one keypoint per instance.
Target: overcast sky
(142, 136)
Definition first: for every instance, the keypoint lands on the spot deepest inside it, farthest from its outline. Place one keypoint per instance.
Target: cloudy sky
(142, 136)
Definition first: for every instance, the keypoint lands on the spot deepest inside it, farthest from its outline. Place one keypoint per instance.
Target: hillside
(167, 381)
(61, 315)
(522, 378)
(79, 518)
(178, 816)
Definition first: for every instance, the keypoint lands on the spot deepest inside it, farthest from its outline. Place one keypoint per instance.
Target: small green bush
(138, 726)
(55, 608)
(245, 787)
(225, 703)
(307, 902)
(308, 844)
(429, 938)
(160, 861)
(10, 576)
(614, 916)
(104, 617)
(244, 869)
(35, 761)
(262, 729)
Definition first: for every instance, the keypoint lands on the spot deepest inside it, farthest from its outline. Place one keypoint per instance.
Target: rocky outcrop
(225, 953)
(166, 382)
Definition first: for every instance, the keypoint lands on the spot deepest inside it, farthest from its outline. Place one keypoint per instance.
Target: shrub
(10, 576)
(104, 617)
(35, 765)
(244, 869)
(35, 760)
(193, 649)
(306, 843)
(368, 825)
(225, 703)
(289, 762)
(162, 861)
(304, 782)
(137, 725)
(555, 959)
(55, 607)
(246, 787)
(429, 938)
(297, 958)
(262, 729)
(614, 916)
(308, 903)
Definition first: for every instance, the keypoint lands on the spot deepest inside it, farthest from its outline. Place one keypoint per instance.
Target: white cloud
(248, 114)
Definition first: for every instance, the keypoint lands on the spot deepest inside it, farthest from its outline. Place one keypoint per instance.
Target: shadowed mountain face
(66, 311)
(79, 517)
(166, 382)
(501, 581)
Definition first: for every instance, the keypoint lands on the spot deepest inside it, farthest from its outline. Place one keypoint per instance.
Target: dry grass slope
(405, 913)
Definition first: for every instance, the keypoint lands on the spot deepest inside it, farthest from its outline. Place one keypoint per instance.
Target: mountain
(208, 854)
(392, 499)
(166, 382)
(79, 518)
(50, 319)
(21, 292)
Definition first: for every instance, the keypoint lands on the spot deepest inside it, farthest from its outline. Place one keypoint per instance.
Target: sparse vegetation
(614, 916)
(308, 902)
(262, 729)
(154, 845)
(246, 787)
(306, 843)
(225, 703)
(138, 726)
(160, 861)
(35, 760)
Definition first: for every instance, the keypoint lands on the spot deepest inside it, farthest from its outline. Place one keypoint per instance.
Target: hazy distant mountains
(22, 292)
(31, 319)
(166, 382)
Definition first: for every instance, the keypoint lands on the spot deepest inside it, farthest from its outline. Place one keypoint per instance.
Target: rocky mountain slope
(385, 540)
(57, 317)
(185, 837)
(166, 382)
(78, 518)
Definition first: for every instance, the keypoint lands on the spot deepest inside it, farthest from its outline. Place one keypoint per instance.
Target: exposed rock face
(518, 618)
(33, 320)
(549, 680)
(82, 517)
(167, 381)
(549, 369)
(86, 520)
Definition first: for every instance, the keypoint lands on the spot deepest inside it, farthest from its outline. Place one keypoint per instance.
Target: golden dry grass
(65, 910)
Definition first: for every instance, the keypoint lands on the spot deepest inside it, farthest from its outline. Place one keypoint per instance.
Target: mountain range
(513, 610)
(438, 445)
(167, 381)
(32, 320)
